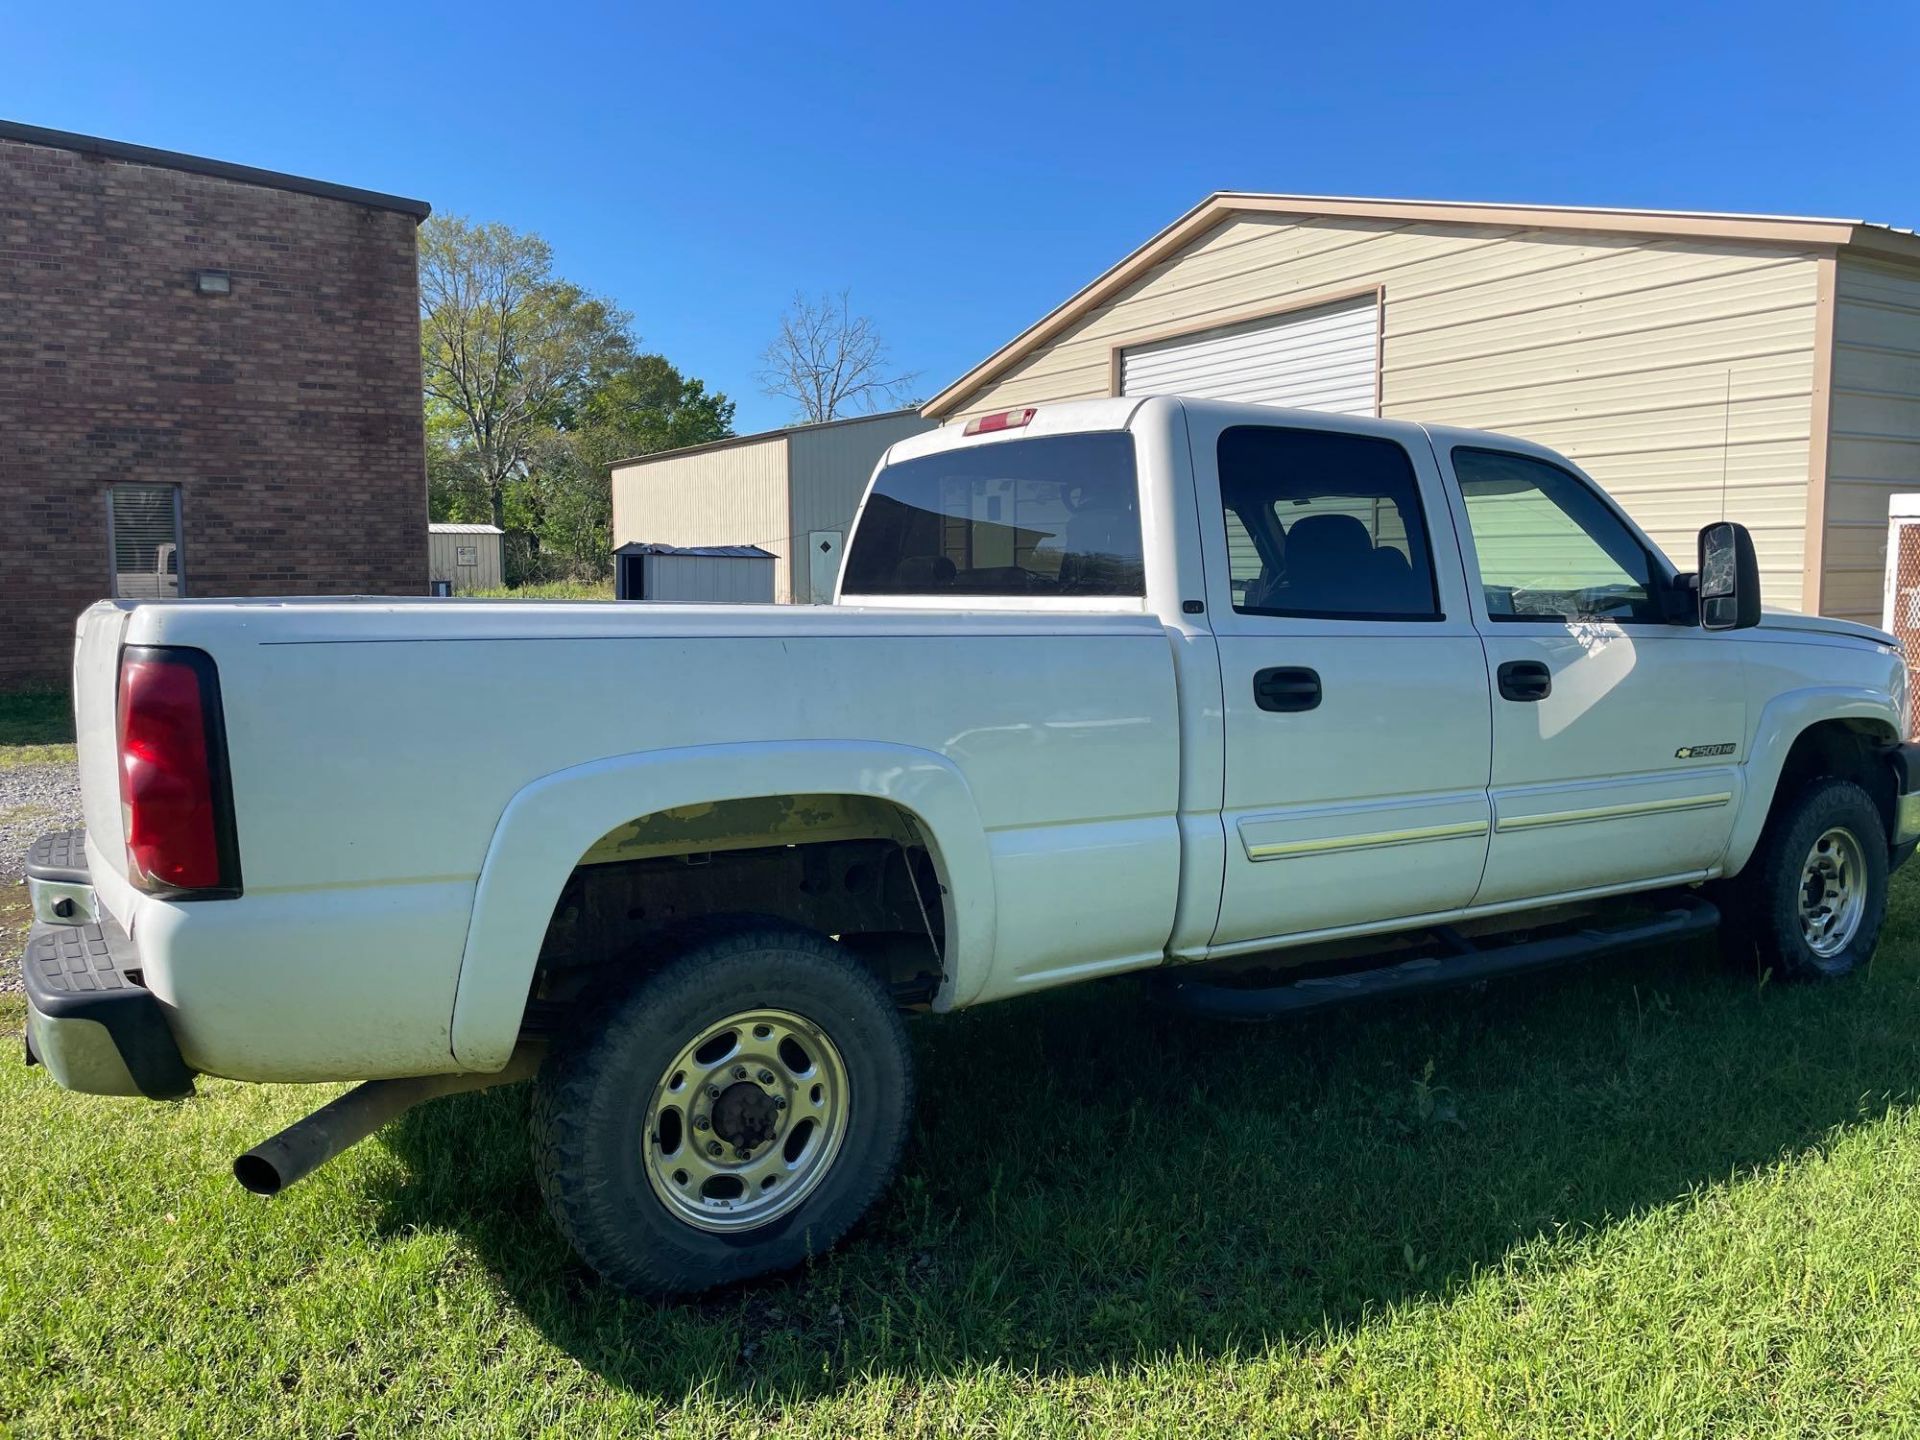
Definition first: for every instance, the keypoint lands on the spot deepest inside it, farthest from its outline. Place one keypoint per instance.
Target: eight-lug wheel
(772, 1089)
(1833, 892)
(730, 1112)
(1809, 902)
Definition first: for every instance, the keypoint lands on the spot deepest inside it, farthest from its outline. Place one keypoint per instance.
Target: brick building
(209, 385)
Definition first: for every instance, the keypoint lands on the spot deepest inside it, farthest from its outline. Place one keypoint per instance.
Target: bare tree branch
(829, 361)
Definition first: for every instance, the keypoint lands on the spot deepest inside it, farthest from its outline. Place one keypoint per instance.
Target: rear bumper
(90, 1021)
(57, 879)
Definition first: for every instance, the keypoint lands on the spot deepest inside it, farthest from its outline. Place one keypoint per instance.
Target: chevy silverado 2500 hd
(1108, 686)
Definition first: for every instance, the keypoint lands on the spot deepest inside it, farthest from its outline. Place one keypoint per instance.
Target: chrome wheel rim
(747, 1120)
(1833, 893)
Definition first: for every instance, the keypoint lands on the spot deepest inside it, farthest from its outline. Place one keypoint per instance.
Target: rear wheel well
(851, 867)
(1847, 750)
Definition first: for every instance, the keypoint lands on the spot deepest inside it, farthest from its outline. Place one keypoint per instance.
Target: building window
(143, 537)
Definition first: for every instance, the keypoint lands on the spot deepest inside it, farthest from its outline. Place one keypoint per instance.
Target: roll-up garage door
(1321, 359)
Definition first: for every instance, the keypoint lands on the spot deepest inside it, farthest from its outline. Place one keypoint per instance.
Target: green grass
(36, 726)
(1647, 1197)
(551, 590)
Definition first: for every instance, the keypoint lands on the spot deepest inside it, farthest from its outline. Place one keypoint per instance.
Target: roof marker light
(1004, 420)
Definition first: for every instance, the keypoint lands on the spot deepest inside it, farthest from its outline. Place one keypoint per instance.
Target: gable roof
(1883, 242)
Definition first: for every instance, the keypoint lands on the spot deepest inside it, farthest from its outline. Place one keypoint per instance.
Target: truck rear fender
(551, 823)
(1784, 720)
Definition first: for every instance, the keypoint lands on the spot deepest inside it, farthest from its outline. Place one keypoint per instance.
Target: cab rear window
(1055, 515)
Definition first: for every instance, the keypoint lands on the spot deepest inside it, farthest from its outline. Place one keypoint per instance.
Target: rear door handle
(1525, 680)
(1287, 688)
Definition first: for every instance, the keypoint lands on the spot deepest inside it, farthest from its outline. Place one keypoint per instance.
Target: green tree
(639, 408)
(506, 346)
(533, 389)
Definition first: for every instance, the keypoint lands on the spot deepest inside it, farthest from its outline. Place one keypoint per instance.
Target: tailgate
(96, 679)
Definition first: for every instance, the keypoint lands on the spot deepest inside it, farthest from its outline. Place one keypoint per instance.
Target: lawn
(36, 727)
(549, 590)
(1644, 1197)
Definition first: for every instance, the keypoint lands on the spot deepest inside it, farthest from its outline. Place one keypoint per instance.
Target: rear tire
(1811, 901)
(730, 1115)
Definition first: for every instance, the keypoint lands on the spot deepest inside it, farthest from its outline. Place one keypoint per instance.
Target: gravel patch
(33, 800)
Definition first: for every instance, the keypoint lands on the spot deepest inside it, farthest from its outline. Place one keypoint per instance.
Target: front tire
(1813, 897)
(730, 1115)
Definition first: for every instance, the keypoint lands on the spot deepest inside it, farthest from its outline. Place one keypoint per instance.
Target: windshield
(1054, 515)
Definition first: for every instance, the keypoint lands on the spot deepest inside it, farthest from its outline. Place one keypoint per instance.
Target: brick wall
(288, 411)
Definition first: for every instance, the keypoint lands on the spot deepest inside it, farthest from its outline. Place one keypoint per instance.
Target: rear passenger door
(1355, 687)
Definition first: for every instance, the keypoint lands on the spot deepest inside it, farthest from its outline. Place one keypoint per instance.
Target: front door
(1355, 688)
(823, 565)
(1615, 732)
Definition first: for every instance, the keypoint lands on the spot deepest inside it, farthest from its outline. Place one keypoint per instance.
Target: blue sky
(964, 168)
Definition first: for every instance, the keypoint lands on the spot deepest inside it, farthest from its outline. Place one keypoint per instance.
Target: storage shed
(718, 574)
(792, 492)
(1761, 368)
(470, 556)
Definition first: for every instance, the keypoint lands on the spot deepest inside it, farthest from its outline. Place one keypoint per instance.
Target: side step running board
(1681, 917)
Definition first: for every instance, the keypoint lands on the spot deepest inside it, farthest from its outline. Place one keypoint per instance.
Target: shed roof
(1884, 242)
(759, 435)
(450, 529)
(728, 552)
(200, 165)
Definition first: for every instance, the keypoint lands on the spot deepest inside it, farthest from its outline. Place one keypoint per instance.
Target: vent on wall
(143, 537)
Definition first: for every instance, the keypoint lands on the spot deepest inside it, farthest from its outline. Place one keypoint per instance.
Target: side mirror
(1729, 578)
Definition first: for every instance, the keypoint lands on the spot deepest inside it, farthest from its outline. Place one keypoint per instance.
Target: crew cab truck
(1291, 707)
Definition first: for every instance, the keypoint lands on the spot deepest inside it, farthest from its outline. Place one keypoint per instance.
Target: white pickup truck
(1294, 708)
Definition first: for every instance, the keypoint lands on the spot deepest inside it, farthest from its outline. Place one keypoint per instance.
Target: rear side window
(1051, 516)
(1324, 525)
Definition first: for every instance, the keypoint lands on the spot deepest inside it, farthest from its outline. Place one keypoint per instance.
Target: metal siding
(828, 470)
(1615, 350)
(1326, 358)
(710, 579)
(1873, 437)
(732, 496)
(442, 561)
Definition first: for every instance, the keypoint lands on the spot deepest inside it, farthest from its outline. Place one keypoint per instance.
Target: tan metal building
(470, 557)
(1764, 367)
(790, 491)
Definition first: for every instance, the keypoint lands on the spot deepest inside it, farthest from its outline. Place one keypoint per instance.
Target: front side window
(1324, 524)
(143, 524)
(1057, 515)
(1549, 548)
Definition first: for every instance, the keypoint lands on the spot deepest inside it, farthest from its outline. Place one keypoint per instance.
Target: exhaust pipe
(307, 1144)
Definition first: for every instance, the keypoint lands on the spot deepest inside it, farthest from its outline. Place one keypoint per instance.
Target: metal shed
(470, 556)
(718, 574)
(791, 491)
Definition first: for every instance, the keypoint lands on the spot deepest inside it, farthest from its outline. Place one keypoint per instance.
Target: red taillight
(1004, 420)
(169, 797)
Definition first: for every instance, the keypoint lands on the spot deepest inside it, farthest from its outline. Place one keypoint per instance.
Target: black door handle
(1287, 688)
(1525, 680)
